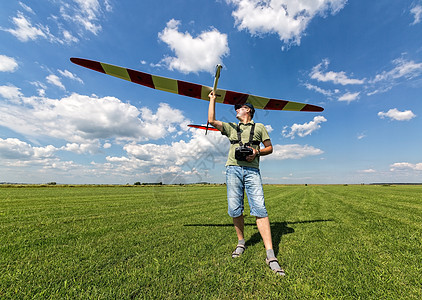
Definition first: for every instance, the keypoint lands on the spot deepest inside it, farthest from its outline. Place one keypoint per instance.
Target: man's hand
(211, 95)
(263, 151)
(251, 157)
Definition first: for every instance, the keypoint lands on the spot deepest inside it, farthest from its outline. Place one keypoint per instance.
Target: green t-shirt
(260, 134)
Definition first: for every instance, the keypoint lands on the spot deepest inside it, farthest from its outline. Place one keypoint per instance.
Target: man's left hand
(251, 157)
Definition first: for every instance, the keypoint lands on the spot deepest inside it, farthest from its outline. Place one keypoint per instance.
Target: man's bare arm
(211, 113)
(268, 149)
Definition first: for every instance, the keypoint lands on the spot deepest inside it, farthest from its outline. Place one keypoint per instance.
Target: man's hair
(251, 112)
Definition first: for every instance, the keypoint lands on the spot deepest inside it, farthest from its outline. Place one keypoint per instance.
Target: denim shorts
(239, 180)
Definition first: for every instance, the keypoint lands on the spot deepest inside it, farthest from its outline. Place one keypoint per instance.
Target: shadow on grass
(278, 229)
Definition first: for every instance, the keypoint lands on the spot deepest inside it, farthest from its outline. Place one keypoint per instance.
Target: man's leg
(253, 185)
(264, 229)
(239, 225)
(255, 192)
(235, 194)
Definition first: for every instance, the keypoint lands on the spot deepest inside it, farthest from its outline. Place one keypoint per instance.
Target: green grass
(339, 242)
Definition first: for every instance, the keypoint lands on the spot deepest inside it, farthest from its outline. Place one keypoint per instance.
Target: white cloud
(179, 153)
(293, 151)
(380, 90)
(41, 92)
(55, 80)
(395, 114)
(317, 89)
(269, 128)
(92, 147)
(85, 13)
(417, 14)
(41, 87)
(26, 163)
(361, 136)
(108, 6)
(25, 31)
(10, 92)
(287, 18)
(201, 53)
(89, 8)
(15, 149)
(68, 38)
(404, 68)
(303, 130)
(368, 171)
(182, 161)
(84, 120)
(406, 166)
(192, 159)
(26, 7)
(70, 75)
(349, 97)
(290, 177)
(8, 64)
(38, 84)
(317, 73)
(158, 125)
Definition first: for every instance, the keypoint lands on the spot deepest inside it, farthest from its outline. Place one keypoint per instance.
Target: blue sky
(360, 60)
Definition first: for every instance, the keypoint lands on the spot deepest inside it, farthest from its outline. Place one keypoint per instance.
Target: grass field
(174, 242)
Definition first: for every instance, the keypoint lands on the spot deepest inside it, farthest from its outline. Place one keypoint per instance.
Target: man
(242, 173)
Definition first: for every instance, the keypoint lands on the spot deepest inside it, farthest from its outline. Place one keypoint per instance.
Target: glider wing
(192, 89)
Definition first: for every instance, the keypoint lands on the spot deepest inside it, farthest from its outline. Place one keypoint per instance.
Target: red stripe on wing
(274, 104)
(90, 64)
(141, 78)
(189, 89)
(235, 98)
(310, 107)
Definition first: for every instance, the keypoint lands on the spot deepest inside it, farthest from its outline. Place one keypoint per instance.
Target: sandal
(278, 271)
(235, 254)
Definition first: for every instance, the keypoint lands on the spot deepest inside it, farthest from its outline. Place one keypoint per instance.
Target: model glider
(194, 90)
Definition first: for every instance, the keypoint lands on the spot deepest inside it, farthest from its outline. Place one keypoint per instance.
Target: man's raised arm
(211, 113)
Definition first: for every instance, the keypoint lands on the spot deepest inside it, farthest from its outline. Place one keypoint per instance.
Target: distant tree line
(148, 183)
